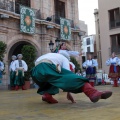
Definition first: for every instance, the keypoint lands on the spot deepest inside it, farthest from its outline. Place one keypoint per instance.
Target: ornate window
(59, 8)
(21, 2)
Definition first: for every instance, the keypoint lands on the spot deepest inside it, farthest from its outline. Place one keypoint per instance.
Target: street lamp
(57, 42)
(51, 44)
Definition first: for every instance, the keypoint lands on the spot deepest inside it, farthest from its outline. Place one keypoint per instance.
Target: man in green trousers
(52, 72)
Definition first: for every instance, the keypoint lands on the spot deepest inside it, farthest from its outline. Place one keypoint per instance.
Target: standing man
(12, 73)
(19, 66)
(90, 66)
(1, 71)
(49, 78)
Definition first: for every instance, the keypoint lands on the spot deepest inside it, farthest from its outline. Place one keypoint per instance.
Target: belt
(44, 60)
(20, 68)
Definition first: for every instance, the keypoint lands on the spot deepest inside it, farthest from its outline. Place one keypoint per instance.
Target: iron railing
(11, 6)
(114, 24)
(7, 5)
(56, 19)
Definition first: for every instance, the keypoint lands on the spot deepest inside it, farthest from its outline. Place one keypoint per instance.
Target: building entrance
(17, 48)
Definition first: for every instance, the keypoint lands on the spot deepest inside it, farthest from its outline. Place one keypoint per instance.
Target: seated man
(48, 75)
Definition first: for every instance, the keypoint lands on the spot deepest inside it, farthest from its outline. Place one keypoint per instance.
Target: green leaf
(29, 56)
(77, 65)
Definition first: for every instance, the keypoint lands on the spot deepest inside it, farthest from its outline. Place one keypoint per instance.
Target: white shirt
(15, 65)
(90, 63)
(79, 74)
(84, 74)
(67, 53)
(11, 66)
(113, 60)
(1, 66)
(55, 58)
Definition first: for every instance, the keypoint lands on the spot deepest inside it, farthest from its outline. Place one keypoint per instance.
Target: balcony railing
(10, 6)
(114, 24)
(7, 5)
(56, 19)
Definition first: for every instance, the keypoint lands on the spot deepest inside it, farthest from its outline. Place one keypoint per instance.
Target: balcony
(56, 19)
(114, 24)
(11, 6)
(7, 5)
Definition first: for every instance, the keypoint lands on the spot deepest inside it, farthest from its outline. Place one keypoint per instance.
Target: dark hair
(61, 45)
(89, 54)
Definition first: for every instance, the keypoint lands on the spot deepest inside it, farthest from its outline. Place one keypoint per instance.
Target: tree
(29, 56)
(77, 65)
(3, 47)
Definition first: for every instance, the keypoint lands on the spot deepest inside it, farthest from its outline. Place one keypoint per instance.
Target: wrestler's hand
(69, 97)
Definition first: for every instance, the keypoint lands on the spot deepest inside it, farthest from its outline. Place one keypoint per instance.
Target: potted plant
(2, 52)
(77, 65)
(3, 47)
(29, 56)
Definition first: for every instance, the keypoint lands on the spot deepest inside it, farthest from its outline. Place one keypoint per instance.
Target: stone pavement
(27, 105)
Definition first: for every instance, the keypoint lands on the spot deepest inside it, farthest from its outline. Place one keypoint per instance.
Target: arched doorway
(16, 48)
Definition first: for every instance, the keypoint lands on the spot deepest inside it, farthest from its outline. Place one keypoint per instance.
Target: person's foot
(95, 95)
(17, 88)
(23, 88)
(106, 94)
(12, 88)
(100, 95)
(49, 99)
(69, 97)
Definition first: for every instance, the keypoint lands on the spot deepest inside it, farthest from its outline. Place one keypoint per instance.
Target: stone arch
(14, 42)
(19, 39)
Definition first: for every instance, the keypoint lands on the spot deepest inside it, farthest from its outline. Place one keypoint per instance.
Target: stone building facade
(107, 20)
(10, 26)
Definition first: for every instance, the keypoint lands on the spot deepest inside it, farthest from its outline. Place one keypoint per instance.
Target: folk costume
(49, 78)
(79, 74)
(72, 66)
(19, 66)
(12, 73)
(90, 66)
(1, 71)
(114, 70)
